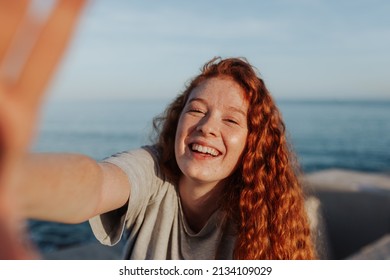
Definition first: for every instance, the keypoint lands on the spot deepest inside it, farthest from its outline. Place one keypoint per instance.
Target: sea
(325, 134)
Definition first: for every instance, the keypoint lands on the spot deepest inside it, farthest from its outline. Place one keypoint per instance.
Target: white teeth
(204, 150)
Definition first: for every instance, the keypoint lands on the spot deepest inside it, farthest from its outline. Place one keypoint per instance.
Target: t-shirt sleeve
(142, 170)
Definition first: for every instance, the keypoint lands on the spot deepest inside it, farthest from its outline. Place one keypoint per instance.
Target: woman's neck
(199, 201)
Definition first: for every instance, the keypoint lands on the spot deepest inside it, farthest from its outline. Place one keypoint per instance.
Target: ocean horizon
(348, 134)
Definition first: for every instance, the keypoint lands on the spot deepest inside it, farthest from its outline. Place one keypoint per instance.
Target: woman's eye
(196, 111)
(233, 121)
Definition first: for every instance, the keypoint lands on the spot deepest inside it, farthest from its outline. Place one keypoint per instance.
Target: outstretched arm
(70, 188)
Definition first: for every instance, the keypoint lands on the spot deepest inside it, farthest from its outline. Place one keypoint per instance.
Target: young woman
(220, 181)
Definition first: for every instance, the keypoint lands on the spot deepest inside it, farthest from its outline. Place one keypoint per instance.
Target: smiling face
(212, 130)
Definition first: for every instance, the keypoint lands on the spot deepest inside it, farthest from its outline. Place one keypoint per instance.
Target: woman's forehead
(217, 86)
(221, 92)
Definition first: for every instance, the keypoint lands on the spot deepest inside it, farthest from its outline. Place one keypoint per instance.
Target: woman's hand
(30, 50)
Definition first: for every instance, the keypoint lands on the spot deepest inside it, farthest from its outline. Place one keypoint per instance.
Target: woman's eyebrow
(237, 110)
(197, 99)
(230, 108)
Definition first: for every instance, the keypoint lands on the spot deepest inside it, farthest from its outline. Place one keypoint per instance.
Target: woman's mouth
(204, 150)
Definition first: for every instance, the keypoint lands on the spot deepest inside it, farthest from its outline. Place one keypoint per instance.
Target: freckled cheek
(237, 143)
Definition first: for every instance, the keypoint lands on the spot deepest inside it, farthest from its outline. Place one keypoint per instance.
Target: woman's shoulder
(153, 151)
(142, 162)
(145, 153)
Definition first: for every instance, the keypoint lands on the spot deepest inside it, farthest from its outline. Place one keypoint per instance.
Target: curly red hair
(265, 198)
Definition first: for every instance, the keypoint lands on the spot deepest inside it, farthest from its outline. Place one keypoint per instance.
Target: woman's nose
(208, 125)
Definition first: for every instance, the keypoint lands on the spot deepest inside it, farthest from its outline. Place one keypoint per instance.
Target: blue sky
(303, 49)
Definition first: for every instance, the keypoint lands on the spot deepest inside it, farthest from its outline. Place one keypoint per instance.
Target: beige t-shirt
(153, 220)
